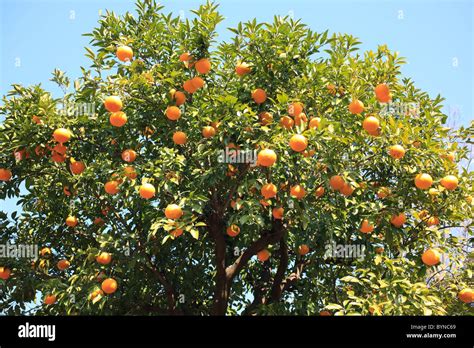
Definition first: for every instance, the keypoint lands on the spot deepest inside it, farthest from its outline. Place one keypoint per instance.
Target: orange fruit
(49, 299)
(208, 132)
(147, 191)
(431, 257)
(356, 107)
(96, 293)
(314, 122)
(173, 212)
(118, 119)
(396, 151)
(371, 124)
(294, 109)
(466, 295)
(451, 156)
(379, 250)
(185, 57)
(60, 148)
(188, 86)
(113, 103)
(4, 273)
(301, 119)
(449, 182)
(57, 157)
(109, 286)
(98, 221)
(366, 226)
(112, 187)
(263, 255)
(197, 82)
(45, 251)
(298, 143)
(233, 230)
(287, 122)
(63, 264)
(278, 213)
(423, 181)
(303, 249)
(266, 157)
(179, 97)
(72, 221)
(124, 53)
(259, 95)
(203, 66)
(382, 93)
(383, 192)
(180, 138)
(398, 220)
(297, 191)
(432, 221)
(104, 258)
(347, 189)
(269, 191)
(319, 191)
(5, 174)
(77, 167)
(37, 120)
(336, 182)
(325, 313)
(242, 69)
(130, 172)
(173, 113)
(265, 118)
(62, 135)
(176, 232)
(129, 155)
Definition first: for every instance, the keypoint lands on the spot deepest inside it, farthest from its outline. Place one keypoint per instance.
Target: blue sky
(435, 36)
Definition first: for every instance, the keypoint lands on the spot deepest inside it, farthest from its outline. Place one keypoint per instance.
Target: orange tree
(135, 209)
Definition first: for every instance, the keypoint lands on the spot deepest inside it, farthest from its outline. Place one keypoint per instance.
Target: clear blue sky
(435, 36)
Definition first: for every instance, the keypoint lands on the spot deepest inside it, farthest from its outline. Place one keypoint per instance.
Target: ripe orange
(278, 213)
(314, 122)
(269, 191)
(130, 172)
(263, 255)
(96, 293)
(298, 143)
(62, 135)
(104, 258)
(371, 124)
(124, 53)
(4, 273)
(176, 232)
(208, 132)
(173, 113)
(109, 286)
(203, 66)
(382, 93)
(233, 230)
(49, 299)
(180, 98)
(301, 119)
(37, 120)
(379, 250)
(243, 69)
(431, 257)
(188, 86)
(129, 155)
(451, 156)
(266, 157)
(72, 221)
(432, 221)
(63, 264)
(118, 119)
(347, 189)
(297, 191)
(5, 174)
(325, 313)
(77, 167)
(265, 118)
(356, 106)
(185, 57)
(147, 191)
(396, 151)
(366, 226)
(180, 138)
(336, 182)
(287, 122)
(197, 82)
(173, 212)
(112, 187)
(303, 249)
(449, 182)
(398, 220)
(45, 251)
(383, 192)
(466, 295)
(113, 103)
(294, 109)
(259, 96)
(423, 181)
(319, 191)
(60, 149)
(98, 221)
